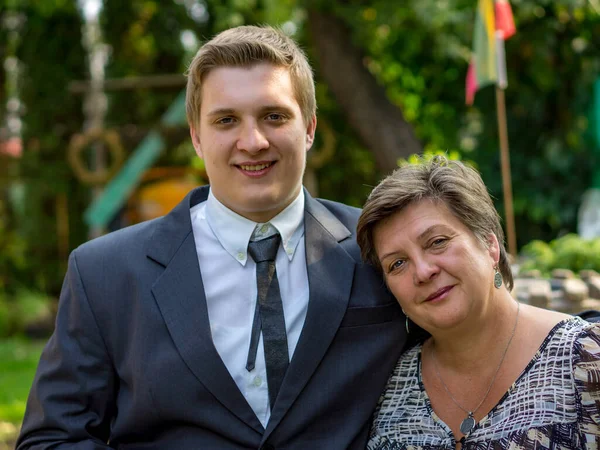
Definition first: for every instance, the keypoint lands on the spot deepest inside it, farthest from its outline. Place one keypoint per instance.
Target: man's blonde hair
(246, 46)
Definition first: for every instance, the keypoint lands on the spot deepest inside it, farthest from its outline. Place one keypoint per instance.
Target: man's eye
(225, 120)
(274, 117)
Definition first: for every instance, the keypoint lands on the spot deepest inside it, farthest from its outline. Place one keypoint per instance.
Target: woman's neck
(478, 339)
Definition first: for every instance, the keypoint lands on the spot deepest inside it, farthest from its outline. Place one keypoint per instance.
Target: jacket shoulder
(346, 214)
(128, 240)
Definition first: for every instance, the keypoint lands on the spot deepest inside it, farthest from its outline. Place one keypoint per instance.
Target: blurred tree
(149, 37)
(51, 56)
(400, 90)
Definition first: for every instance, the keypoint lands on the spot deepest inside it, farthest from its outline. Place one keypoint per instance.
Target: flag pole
(506, 180)
(494, 21)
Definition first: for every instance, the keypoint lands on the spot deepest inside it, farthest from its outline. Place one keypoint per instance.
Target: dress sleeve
(586, 371)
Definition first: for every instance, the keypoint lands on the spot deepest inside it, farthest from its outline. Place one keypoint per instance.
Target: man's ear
(196, 142)
(310, 132)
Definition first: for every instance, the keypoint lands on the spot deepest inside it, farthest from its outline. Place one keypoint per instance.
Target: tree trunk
(380, 124)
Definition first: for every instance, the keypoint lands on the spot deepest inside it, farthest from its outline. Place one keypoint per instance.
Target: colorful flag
(493, 25)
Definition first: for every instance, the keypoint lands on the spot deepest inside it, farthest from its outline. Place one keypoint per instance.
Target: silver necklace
(468, 422)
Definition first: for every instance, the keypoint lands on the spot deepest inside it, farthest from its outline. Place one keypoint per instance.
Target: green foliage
(145, 39)
(24, 312)
(30, 308)
(428, 155)
(12, 252)
(538, 255)
(420, 52)
(417, 49)
(569, 251)
(5, 316)
(18, 361)
(51, 56)
(576, 253)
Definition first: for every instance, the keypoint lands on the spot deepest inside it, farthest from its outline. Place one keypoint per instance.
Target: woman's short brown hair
(246, 46)
(455, 184)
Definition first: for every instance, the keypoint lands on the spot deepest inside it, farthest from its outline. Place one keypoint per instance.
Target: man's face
(252, 138)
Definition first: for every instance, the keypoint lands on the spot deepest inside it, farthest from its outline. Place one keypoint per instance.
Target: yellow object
(158, 198)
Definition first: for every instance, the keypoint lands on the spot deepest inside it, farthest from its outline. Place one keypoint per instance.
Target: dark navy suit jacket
(132, 365)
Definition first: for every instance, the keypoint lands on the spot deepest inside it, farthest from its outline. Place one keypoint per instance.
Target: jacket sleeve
(72, 400)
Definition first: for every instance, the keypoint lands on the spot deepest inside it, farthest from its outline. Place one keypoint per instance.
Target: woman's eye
(396, 265)
(438, 242)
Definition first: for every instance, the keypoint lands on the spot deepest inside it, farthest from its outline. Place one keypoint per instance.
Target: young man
(183, 333)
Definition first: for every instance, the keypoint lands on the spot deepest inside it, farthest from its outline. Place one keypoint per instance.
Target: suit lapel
(179, 293)
(330, 272)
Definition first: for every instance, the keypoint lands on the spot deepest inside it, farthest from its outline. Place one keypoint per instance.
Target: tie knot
(265, 249)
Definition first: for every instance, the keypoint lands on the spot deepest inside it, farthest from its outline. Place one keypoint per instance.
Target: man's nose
(252, 139)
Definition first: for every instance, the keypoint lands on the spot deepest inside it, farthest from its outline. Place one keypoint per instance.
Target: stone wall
(564, 291)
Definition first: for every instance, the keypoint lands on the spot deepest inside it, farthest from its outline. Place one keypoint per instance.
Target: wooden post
(506, 180)
(62, 225)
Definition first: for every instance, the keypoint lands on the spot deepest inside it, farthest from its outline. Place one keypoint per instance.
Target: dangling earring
(405, 322)
(497, 277)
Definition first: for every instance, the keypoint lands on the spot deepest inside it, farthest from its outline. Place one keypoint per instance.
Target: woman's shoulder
(586, 341)
(586, 373)
(580, 332)
(545, 326)
(571, 330)
(575, 341)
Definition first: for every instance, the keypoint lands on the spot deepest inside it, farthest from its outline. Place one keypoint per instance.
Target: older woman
(494, 374)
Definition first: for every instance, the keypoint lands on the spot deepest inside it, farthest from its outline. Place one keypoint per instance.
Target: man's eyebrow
(220, 111)
(270, 108)
(262, 110)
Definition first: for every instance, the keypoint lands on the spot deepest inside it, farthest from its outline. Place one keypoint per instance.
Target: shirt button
(240, 256)
(289, 250)
(257, 381)
(264, 228)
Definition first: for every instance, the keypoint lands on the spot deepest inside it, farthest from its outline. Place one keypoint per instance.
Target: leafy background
(415, 53)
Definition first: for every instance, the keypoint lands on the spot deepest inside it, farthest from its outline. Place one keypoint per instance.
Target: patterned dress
(554, 404)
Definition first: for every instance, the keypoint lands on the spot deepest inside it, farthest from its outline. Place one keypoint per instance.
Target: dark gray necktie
(268, 315)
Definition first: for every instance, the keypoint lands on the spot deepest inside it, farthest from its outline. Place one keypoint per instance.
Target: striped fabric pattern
(554, 404)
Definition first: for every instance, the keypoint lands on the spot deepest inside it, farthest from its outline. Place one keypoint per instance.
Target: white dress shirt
(229, 279)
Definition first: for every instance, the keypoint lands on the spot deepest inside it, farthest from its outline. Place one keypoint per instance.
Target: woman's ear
(493, 247)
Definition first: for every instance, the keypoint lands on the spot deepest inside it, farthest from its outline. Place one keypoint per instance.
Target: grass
(18, 361)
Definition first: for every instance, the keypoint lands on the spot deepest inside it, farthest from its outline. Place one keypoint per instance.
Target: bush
(26, 313)
(32, 313)
(4, 317)
(538, 255)
(567, 252)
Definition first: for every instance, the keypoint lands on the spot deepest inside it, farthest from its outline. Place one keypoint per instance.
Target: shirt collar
(234, 231)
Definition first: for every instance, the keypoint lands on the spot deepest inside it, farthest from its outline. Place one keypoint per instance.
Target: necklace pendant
(467, 424)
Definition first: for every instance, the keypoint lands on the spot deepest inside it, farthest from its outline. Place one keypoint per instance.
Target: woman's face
(439, 272)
